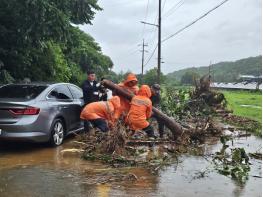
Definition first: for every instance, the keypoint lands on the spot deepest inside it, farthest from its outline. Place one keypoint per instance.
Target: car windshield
(27, 92)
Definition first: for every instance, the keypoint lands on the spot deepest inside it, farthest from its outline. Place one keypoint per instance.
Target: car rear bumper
(27, 136)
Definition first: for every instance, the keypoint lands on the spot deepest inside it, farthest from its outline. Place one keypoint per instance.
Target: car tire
(57, 133)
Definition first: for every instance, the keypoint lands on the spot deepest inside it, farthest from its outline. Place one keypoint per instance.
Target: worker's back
(102, 109)
(139, 107)
(140, 110)
(95, 110)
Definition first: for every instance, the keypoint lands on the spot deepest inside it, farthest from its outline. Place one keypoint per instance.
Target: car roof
(41, 83)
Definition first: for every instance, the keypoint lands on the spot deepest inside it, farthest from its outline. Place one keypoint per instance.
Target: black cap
(156, 86)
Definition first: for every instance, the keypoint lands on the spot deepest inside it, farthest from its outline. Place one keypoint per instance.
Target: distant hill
(223, 71)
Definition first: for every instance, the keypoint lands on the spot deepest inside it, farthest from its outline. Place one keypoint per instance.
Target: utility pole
(159, 40)
(159, 43)
(143, 51)
(209, 74)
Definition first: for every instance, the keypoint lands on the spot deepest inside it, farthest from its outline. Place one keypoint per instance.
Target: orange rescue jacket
(107, 110)
(141, 109)
(125, 104)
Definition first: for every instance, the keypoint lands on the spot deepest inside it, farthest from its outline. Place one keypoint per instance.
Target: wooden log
(174, 127)
(147, 142)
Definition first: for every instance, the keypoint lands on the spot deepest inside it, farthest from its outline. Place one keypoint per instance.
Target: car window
(76, 92)
(61, 92)
(21, 91)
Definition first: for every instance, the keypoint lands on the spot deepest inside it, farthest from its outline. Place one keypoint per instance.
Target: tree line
(220, 72)
(39, 40)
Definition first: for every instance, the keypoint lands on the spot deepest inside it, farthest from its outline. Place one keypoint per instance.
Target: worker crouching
(140, 111)
(103, 114)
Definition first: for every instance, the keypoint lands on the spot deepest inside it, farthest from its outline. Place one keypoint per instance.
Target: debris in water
(256, 155)
(234, 163)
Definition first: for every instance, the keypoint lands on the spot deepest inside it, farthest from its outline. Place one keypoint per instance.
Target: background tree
(38, 41)
(150, 77)
(189, 78)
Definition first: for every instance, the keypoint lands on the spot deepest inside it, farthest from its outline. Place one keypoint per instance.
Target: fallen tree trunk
(146, 142)
(174, 127)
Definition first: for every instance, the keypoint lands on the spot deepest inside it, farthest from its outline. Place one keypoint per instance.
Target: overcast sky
(231, 32)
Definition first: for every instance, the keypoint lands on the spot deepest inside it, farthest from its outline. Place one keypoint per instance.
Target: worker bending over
(140, 111)
(102, 114)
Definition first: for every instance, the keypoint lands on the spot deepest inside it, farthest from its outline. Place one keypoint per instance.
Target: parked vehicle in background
(40, 112)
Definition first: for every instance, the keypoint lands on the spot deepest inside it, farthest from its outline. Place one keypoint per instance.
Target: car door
(78, 104)
(61, 99)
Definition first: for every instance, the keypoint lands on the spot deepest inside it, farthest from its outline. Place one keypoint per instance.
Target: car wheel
(57, 133)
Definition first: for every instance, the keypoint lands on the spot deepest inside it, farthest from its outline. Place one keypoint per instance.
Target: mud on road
(37, 170)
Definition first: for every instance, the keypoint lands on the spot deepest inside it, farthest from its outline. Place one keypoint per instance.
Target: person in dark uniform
(90, 89)
(156, 99)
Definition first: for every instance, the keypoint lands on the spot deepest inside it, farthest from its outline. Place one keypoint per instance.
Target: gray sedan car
(40, 112)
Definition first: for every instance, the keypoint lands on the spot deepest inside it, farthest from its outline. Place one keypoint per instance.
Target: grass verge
(245, 104)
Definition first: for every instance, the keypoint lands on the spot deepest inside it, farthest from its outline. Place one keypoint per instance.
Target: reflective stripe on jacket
(141, 109)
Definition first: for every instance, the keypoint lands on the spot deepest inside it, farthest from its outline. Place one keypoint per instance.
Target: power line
(147, 9)
(152, 34)
(163, 4)
(178, 5)
(151, 37)
(153, 47)
(145, 18)
(159, 41)
(155, 31)
(134, 52)
(150, 57)
(190, 24)
(119, 3)
(167, 38)
(173, 7)
(131, 49)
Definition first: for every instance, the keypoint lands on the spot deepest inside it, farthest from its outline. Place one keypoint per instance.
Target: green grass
(236, 99)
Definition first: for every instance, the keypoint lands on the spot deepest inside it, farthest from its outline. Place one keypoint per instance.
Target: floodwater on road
(37, 170)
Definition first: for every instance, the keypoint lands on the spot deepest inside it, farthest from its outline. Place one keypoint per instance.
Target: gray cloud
(231, 32)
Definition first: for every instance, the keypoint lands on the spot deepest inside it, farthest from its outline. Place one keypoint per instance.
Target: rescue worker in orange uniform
(140, 111)
(130, 85)
(102, 114)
